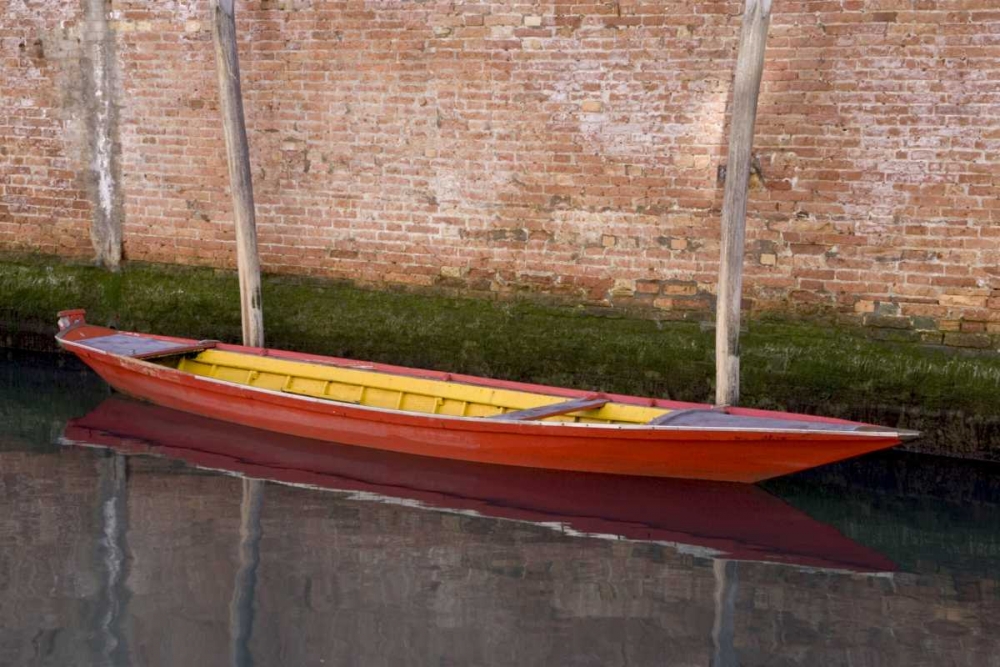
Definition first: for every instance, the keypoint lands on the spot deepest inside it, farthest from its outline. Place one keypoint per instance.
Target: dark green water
(113, 557)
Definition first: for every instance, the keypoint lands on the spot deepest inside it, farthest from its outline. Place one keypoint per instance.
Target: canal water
(133, 535)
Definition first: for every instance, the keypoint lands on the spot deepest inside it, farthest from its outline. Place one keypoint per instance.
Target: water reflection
(112, 486)
(113, 556)
(736, 521)
(245, 584)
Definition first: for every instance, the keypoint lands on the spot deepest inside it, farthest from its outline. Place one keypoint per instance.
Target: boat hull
(711, 454)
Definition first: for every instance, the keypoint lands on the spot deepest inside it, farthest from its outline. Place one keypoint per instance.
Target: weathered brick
(973, 340)
(390, 139)
(648, 286)
(887, 322)
(894, 335)
(680, 288)
(973, 327)
(888, 308)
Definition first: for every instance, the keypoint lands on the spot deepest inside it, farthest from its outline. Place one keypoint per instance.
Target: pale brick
(962, 300)
(623, 287)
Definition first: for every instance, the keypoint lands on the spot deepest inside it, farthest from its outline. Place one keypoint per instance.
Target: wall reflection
(353, 581)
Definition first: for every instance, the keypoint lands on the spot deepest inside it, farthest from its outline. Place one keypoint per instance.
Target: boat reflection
(711, 519)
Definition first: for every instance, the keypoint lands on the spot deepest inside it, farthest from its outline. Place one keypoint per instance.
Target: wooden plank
(674, 414)
(240, 180)
(179, 349)
(746, 88)
(543, 411)
(288, 389)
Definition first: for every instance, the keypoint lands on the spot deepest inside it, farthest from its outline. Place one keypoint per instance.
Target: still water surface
(133, 535)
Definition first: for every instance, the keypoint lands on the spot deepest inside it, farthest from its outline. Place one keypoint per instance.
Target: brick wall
(44, 205)
(567, 148)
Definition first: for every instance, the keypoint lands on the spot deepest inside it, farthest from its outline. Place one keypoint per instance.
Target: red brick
(393, 139)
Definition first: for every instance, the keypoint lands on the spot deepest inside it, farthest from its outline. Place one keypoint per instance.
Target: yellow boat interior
(399, 392)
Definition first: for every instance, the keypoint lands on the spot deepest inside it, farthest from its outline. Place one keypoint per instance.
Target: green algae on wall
(953, 396)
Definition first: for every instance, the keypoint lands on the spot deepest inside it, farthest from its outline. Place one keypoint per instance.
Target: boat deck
(400, 392)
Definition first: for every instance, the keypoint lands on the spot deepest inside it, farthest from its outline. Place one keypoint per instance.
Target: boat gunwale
(321, 405)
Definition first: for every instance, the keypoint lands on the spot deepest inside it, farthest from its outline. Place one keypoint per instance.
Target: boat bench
(552, 410)
(718, 417)
(140, 347)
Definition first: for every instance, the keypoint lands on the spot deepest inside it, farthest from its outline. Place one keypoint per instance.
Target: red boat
(717, 519)
(462, 417)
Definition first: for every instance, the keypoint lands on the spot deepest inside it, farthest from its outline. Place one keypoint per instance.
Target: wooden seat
(554, 409)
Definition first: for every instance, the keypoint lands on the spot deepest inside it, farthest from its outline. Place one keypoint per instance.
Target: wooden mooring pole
(746, 88)
(248, 266)
(240, 180)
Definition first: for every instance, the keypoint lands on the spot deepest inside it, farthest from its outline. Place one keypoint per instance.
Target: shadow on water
(927, 513)
(39, 393)
(145, 538)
